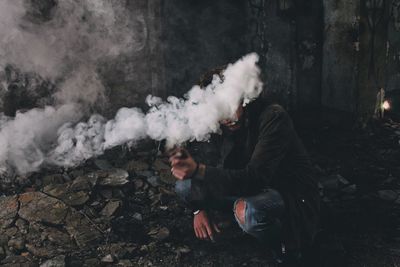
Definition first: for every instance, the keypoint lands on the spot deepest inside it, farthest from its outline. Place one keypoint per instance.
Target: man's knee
(240, 211)
(183, 188)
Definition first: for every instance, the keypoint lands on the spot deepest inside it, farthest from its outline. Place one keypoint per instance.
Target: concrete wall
(198, 36)
(393, 48)
(313, 52)
(130, 78)
(340, 54)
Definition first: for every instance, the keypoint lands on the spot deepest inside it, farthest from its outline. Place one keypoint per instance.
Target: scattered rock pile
(86, 216)
(119, 212)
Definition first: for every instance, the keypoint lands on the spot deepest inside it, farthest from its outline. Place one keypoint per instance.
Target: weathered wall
(393, 52)
(198, 36)
(312, 52)
(360, 56)
(372, 74)
(340, 54)
(132, 77)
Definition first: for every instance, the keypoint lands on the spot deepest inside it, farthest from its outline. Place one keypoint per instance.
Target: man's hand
(183, 165)
(202, 226)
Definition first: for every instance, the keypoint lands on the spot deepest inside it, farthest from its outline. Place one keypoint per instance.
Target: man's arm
(275, 135)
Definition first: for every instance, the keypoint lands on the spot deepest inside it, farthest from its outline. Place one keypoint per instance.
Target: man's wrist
(202, 170)
(196, 212)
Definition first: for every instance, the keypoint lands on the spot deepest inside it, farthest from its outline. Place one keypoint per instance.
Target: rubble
(125, 213)
(159, 234)
(8, 210)
(35, 207)
(115, 177)
(85, 232)
(110, 208)
(58, 261)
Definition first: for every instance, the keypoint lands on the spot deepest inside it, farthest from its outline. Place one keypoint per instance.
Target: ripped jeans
(263, 212)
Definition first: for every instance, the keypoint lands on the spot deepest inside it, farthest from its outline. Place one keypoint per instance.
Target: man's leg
(260, 216)
(202, 199)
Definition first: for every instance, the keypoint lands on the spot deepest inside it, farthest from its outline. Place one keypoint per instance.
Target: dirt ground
(149, 226)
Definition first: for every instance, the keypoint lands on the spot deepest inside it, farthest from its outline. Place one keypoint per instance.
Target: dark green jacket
(267, 153)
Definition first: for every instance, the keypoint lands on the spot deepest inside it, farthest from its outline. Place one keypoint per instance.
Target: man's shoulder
(273, 111)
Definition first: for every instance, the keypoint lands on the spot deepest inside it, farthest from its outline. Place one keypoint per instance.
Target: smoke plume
(176, 120)
(63, 42)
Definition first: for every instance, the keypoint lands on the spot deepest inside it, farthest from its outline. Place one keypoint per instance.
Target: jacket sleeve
(275, 135)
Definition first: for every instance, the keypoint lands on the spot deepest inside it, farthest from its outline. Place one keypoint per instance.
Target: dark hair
(207, 77)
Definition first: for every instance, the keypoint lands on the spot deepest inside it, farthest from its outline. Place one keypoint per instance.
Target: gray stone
(125, 263)
(103, 164)
(3, 253)
(114, 177)
(58, 261)
(22, 226)
(106, 193)
(183, 250)
(160, 234)
(56, 190)
(350, 189)
(38, 207)
(8, 210)
(135, 166)
(388, 195)
(76, 198)
(3, 239)
(164, 171)
(137, 216)
(108, 259)
(85, 182)
(58, 238)
(154, 181)
(138, 183)
(14, 261)
(76, 173)
(119, 250)
(10, 232)
(91, 262)
(41, 252)
(146, 174)
(53, 179)
(16, 243)
(110, 208)
(67, 194)
(85, 233)
(118, 193)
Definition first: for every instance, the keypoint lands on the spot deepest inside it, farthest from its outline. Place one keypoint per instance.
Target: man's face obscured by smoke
(236, 123)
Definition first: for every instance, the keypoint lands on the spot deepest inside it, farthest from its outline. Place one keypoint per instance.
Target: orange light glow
(386, 105)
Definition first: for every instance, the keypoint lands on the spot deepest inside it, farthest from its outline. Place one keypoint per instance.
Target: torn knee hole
(240, 210)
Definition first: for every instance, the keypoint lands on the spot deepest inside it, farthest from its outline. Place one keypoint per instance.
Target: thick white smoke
(177, 120)
(63, 41)
(38, 137)
(25, 139)
(69, 42)
(66, 46)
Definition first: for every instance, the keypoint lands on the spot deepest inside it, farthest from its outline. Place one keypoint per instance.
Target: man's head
(235, 123)
(229, 124)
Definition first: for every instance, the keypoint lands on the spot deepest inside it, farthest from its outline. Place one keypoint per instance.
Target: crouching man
(266, 178)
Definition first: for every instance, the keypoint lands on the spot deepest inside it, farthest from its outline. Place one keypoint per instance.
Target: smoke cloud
(176, 120)
(64, 41)
(37, 138)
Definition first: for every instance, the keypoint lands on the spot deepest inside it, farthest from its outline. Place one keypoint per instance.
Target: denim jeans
(263, 211)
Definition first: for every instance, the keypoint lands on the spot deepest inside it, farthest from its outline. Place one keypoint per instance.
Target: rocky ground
(120, 209)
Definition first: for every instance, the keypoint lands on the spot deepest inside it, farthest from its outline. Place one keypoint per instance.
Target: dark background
(315, 55)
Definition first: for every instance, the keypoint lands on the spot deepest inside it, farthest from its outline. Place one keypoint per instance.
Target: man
(266, 178)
